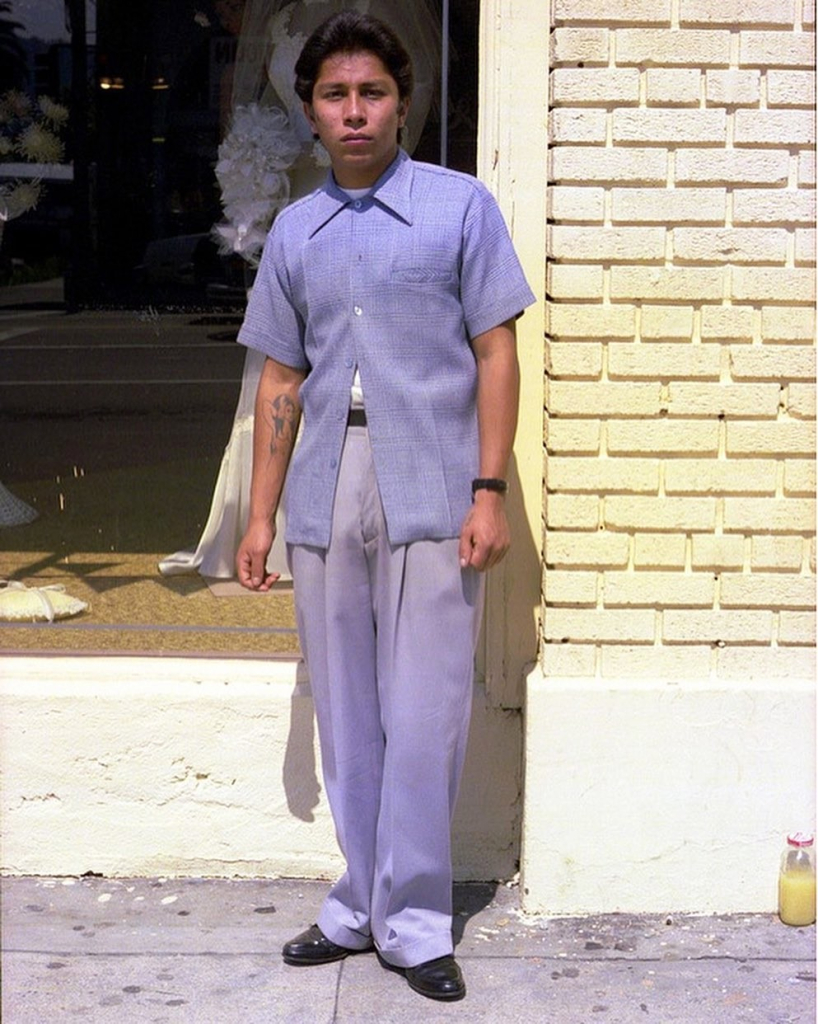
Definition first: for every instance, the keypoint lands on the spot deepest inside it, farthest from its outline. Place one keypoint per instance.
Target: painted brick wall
(680, 472)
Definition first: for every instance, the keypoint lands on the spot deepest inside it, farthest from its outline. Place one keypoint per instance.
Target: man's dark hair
(350, 32)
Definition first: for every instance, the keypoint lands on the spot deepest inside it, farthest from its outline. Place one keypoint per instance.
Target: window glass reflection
(120, 299)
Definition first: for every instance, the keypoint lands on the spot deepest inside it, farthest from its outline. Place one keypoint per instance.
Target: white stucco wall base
(152, 766)
(659, 796)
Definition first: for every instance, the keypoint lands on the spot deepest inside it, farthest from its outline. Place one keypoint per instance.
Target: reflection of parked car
(191, 262)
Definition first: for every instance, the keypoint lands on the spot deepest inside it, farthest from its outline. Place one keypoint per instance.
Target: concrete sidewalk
(208, 952)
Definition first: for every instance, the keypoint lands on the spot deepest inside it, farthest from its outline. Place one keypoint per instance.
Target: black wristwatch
(488, 483)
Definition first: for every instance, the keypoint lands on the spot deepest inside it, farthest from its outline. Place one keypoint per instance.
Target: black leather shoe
(313, 947)
(437, 979)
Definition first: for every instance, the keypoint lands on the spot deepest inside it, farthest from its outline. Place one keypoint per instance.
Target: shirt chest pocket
(422, 270)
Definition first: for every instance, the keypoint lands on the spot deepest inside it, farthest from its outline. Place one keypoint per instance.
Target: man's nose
(353, 109)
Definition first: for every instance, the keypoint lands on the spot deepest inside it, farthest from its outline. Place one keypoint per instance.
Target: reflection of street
(113, 425)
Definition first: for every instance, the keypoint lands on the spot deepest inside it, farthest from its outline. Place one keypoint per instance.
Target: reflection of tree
(12, 54)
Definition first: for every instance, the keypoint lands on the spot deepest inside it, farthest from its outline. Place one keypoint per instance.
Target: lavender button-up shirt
(396, 284)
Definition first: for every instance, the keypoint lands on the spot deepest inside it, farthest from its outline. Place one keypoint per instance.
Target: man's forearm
(277, 415)
(498, 390)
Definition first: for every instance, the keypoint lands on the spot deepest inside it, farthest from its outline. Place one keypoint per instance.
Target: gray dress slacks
(388, 635)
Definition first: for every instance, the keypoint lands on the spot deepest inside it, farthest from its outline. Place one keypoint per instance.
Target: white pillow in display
(19, 603)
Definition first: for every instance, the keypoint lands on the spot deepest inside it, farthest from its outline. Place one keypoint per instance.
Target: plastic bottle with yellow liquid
(796, 880)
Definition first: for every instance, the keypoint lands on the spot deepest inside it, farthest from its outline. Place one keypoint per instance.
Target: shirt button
(348, 363)
(357, 310)
(358, 204)
(333, 463)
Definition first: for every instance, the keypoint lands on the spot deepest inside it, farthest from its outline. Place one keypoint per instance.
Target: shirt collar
(392, 190)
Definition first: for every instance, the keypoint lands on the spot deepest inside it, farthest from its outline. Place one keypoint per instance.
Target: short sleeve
(272, 323)
(493, 286)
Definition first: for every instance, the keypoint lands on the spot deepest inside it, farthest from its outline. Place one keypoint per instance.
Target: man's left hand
(485, 536)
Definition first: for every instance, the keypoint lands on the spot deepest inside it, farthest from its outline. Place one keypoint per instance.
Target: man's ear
(403, 110)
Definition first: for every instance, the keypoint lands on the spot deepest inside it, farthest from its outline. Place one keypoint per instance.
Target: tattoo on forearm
(281, 417)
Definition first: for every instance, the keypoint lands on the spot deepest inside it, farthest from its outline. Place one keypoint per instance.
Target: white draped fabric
(272, 35)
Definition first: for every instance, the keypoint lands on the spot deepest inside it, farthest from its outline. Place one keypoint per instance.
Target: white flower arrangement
(252, 172)
(33, 132)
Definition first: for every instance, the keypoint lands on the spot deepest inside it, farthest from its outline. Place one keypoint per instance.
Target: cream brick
(774, 127)
(656, 361)
(573, 437)
(568, 360)
(808, 14)
(583, 164)
(733, 88)
(657, 590)
(764, 663)
(646, 11)
(773, 206)
(805, 245)
(583, 321)
(790, 324)
(667, 47)
(602, 476)
(593, 626)
(721, 476)
(767, 590)
(773, 362)
(580, 45)
(787, 437)
(737, 12)
(777, 49)
(790, 88)
(776, 554)
(732, 167)
(715, 553)
(569, 661)
(574, 282)
(569, 124)
(671, 664)
(717, 627)
(799, 478)
(604, 245)
(634, 437)
(566, 202)
(574, 588)
(749, 401)
(572, 512)
(675, 126)
(801, 401)
(659, 551)
(688, 284)
(730, 245)
(673, 87)
(669, 205)
(812, 547)
(590, 550)
(667, 322)
(806, 169)
(769, 515)
(777, 284)
(728, 323)
(569, 398)
(594, 87)
(665, 514)
(797, 628)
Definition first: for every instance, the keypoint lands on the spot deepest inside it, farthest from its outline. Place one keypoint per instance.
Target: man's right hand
(251, 558)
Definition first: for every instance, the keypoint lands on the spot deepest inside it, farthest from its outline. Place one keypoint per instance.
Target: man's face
(356, 112)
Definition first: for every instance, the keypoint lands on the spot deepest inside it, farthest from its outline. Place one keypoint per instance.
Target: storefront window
(124, 267)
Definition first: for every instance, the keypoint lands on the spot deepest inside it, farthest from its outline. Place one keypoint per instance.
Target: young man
(385, 303)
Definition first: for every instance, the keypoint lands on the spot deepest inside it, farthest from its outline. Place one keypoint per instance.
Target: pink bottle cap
(800, 839)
